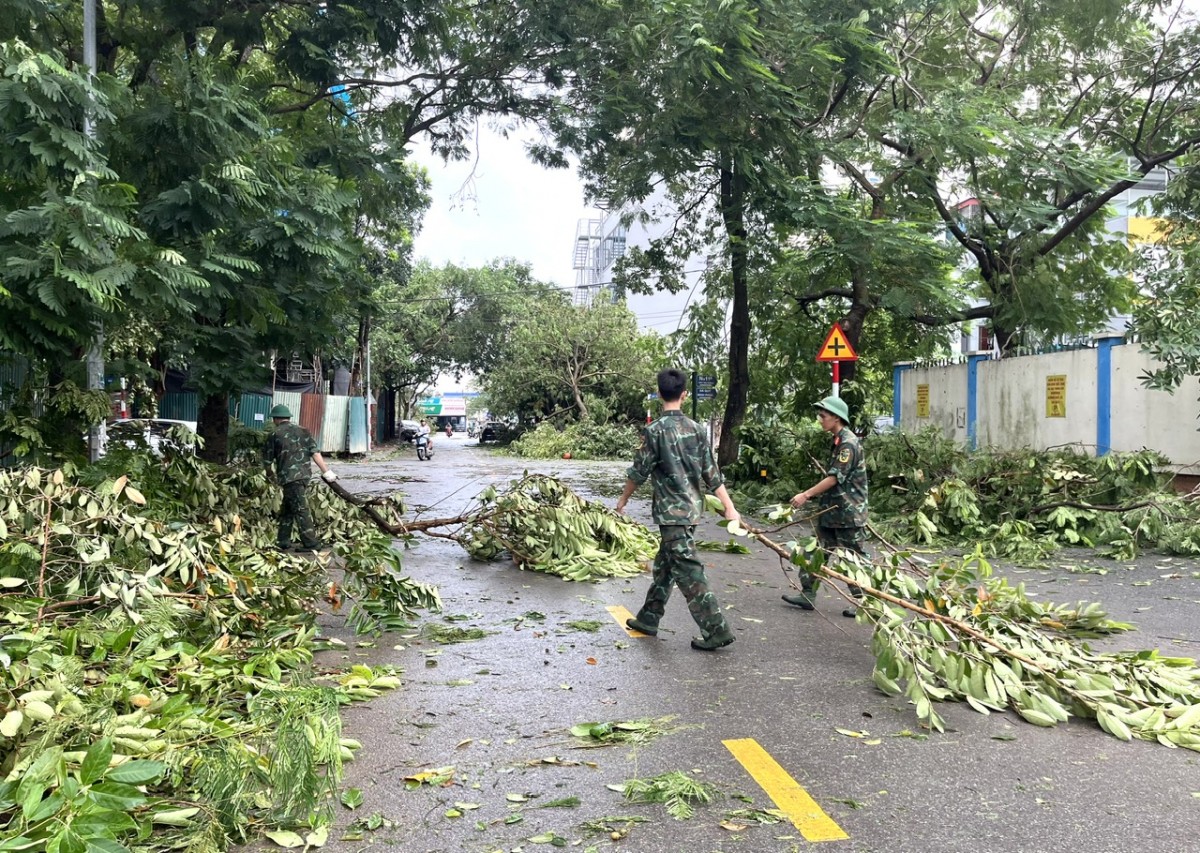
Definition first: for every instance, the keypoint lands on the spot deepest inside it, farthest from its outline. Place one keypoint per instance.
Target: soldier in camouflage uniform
(843, 516)
(675, 451)
(288, 450)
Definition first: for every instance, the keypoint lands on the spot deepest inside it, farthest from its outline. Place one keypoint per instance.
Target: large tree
(712, 104)
(1016, 123)
(573, 362)
(258, 163)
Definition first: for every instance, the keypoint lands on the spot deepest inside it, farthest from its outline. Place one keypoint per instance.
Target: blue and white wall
(1090, 397)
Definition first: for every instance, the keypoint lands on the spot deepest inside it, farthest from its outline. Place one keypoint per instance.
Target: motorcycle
(424, 449)
(449, 430)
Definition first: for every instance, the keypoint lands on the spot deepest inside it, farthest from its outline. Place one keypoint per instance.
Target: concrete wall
(1145, 418)
(1012, 401)
(1003, 403)
(947, 399)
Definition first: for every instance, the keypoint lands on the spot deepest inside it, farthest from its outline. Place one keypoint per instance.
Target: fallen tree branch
(973, 638)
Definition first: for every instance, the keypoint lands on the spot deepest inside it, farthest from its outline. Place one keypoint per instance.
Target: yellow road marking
(621, 614)
(785, 791)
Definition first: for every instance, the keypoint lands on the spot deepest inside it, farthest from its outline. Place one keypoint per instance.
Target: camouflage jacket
(845, 505)
(290, 448)
(675, 451)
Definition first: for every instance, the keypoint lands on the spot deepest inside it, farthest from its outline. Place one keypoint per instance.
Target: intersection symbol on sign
(837, 347)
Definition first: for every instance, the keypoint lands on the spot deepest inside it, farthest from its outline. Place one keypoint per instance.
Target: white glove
(329, 476)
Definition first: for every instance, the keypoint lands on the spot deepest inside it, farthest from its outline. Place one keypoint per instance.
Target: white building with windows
(602, 241)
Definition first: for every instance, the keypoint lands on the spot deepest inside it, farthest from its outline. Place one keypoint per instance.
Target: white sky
(501, 205)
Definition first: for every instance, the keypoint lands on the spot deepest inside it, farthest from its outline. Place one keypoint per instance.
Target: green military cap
(281, 411)
(836, 406)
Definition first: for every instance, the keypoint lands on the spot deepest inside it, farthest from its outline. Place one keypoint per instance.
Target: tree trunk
(860, 303)
(1002, 294)
(733, 212)
(213, 427)
(854, 319)
(579, 404)
(357, 377)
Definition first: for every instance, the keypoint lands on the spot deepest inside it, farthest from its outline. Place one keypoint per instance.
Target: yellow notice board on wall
(1056, 396)
(922, 401)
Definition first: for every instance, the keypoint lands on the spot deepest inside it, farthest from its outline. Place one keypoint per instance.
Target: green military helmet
(281, 411)
(836, 406)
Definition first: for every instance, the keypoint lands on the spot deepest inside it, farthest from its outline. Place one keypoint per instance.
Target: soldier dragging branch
(287, 451)
(843, 494)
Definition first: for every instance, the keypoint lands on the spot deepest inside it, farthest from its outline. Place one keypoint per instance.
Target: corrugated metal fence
(339, 424)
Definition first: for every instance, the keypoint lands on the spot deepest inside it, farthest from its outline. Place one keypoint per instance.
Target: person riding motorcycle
(423, 430)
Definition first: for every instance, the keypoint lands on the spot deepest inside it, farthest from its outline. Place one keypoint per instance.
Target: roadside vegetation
(157, 687)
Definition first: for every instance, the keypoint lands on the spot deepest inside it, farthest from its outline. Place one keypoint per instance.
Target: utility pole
(95, 353)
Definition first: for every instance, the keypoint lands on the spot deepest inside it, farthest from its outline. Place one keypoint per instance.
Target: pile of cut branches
(541, 525)
(156, 679)
(546, 527)
(951, 632)
(1024, 504)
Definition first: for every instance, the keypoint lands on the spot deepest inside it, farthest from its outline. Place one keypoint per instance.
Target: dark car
(493, 431)
(408, 430)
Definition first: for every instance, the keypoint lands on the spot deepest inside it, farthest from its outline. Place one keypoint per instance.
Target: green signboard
(431, 406)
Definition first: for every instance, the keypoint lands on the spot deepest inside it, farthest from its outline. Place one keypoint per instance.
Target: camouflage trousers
(294, 512)
(677, 564)
(850, 538)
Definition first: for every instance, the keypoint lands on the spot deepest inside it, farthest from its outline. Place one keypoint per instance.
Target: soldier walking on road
(843, 492)
(288, 449)
(676, 452)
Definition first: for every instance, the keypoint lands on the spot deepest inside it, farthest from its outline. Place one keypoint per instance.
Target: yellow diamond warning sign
(837, 347)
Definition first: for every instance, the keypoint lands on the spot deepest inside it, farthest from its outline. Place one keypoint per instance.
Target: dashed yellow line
(621, 614)
(785, 791)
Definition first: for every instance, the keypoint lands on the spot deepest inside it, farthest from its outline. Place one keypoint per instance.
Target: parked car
(408, 430)
(493, 431)
(158, 435)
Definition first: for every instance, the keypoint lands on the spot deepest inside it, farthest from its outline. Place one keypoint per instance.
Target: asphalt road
(498, 710)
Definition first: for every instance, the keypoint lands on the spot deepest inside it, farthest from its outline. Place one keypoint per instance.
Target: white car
(155, 434)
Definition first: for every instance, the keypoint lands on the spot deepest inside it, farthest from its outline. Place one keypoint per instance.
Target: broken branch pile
(952, 632)
(546, 527)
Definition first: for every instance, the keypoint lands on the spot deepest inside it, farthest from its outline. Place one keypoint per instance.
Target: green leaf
(352, 798)
(317, 837)
(105, 845)
(11, 724)
(136, 772)
(116, 796)
(96, 761)
(175, 817)
(285, 838)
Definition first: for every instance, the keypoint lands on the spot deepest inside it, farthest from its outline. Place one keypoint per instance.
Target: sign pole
(694, 375)
(835, 350)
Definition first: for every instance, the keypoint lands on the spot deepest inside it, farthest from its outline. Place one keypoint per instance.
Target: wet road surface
(498, 710)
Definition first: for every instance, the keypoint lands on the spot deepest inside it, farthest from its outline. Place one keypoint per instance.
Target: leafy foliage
(148, 628)
(926, 489)
(560, 360)
(1163, 317)
(955, 633)
(677, 791)
(544, 526)
(623, 731)
(585, 440)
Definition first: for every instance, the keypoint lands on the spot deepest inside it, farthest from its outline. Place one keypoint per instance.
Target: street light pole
(95, 353)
